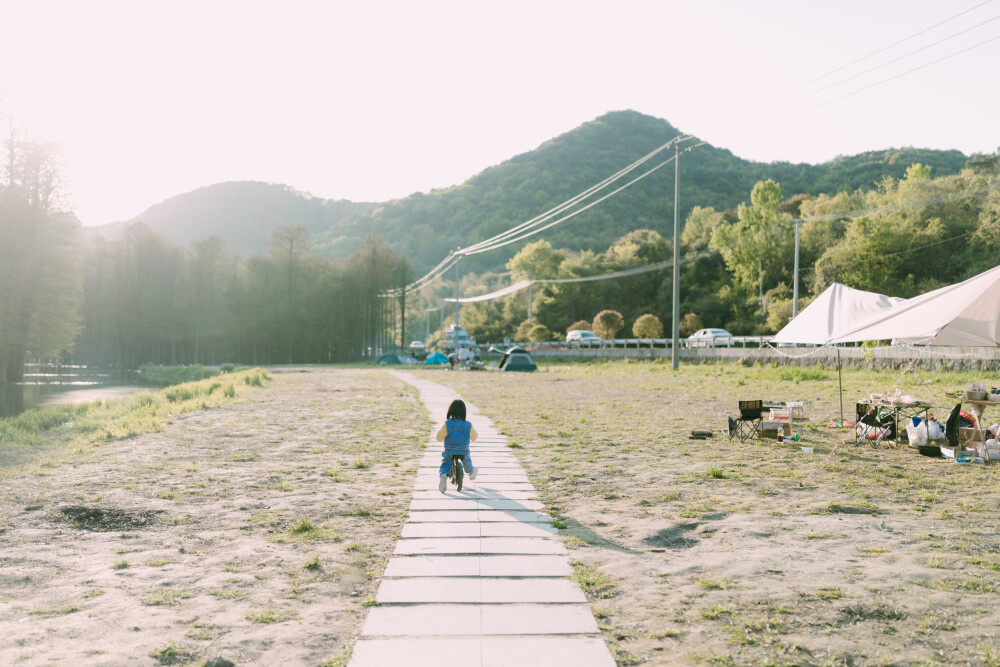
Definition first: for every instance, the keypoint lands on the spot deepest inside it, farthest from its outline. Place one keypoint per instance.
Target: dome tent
(436, 358)
(517, 359)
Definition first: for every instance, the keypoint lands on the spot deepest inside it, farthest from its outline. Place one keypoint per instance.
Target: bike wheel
(459, 471)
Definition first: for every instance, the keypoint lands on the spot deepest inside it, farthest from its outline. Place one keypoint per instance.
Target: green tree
(539, 333)
(579, 325)
(608, 323)
(760, 241)
(40, 277)
(648, 326)
(536, 261)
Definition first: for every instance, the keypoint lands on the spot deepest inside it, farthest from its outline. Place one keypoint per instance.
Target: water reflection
(47, 385)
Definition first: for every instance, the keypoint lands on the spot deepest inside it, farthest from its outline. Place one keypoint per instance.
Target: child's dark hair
(457, 410)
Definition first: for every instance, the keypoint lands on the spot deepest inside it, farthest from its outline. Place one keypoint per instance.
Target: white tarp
(964, 314)
(837, 310)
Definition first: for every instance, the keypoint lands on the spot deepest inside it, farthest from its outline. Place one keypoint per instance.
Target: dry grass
(755, 553)
(250, 531)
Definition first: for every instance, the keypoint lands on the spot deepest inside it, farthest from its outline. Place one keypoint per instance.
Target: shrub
(579, 325)
(648, 326)
(539, 333)
(689, 324)
(608, 323)
(227, 368)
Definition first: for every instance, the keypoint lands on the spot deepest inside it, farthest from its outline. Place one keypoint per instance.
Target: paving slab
(512, 529)
(483, 652)
(486, 619)
(466, 529)
(432, 566)
(468, 590)
(524, 566)
(479, 545)
(525, 517)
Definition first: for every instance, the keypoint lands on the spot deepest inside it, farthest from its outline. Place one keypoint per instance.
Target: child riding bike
(456, 434)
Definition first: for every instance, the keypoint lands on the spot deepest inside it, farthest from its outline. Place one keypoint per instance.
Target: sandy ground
(719, 552)
(256, 532)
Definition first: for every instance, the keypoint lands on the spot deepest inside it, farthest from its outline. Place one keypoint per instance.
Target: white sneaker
(472, 475)
(443, 484)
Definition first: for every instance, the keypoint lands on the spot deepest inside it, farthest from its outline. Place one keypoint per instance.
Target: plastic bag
(935, 430)
(917, 434)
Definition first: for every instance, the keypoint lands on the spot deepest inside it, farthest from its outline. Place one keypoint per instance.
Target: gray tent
(517, 359)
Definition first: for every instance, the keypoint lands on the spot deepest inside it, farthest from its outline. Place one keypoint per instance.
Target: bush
(227, 368)
(539, 333)
(580, 325)
(608, 323)
(689, 324)
(648, 326)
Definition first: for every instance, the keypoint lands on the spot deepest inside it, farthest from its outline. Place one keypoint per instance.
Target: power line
(891, 78)
(885, 64)
(883, 49)
(503, 239)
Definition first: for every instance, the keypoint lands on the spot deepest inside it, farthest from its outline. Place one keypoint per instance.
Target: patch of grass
(361, 464)
(715, 612)
(716, 473)
(829, 594)
(877, 612)
(172, 655)
(229, 593)
(166, 597)
(713, 584)
(595, 584)
(120, 565)
(55, 611)
(268, 615)
(313, 563)
(861, 507)
(93, 593)
(823, 536)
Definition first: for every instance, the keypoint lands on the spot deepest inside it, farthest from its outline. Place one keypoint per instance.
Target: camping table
(977, 408)
(900, 411)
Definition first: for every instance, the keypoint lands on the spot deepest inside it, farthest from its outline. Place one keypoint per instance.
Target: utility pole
(760, 277)
(459, 257)
(795, 285)
(530, 283)
(674, 358)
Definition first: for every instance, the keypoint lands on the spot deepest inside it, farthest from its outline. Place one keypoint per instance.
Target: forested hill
(427, 226)
(243, 213)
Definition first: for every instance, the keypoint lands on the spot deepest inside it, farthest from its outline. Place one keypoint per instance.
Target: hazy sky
(369, 100)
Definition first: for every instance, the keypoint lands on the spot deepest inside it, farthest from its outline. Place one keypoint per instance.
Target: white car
(710, 338)
(583, 338)
(417, 345)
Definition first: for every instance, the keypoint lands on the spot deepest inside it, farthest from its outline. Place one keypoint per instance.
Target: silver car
(710, 338)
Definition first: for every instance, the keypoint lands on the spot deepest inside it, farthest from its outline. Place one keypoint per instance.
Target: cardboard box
(780, 415)
(969, 435)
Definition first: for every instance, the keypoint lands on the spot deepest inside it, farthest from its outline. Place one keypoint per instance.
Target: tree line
(141, 299)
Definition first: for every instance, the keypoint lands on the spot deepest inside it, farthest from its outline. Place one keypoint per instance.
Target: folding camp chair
(748, 424)
(871, 422)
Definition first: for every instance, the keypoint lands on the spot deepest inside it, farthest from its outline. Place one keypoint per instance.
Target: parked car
(583, 338)
(456, 337)
(417, 345)
(710, 338)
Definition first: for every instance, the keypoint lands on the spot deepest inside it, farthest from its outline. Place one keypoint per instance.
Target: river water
(46, 385)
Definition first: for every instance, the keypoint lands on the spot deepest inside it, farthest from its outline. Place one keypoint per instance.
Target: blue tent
(436, 358)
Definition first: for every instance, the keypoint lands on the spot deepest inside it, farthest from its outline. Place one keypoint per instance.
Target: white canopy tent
(964, 314)
(837, 310)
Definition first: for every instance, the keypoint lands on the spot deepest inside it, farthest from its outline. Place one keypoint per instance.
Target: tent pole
(840, 383)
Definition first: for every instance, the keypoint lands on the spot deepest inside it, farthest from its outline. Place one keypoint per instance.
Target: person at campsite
(463, 358)
(456, 434)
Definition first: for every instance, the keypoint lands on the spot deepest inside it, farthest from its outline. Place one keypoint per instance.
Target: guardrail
(640, 343)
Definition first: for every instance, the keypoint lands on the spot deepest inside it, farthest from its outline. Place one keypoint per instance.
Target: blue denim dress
(456, 442)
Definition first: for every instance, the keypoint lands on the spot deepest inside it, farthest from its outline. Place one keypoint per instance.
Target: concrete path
(479, 578)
